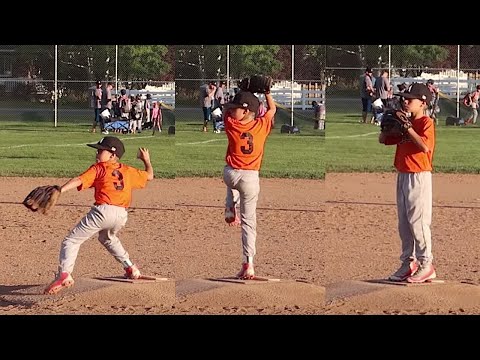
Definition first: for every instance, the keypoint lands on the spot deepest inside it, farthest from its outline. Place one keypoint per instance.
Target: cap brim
(99, 146)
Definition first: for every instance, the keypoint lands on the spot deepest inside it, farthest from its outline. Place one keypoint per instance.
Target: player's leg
(115, 218)
(249, 187)
(85, 229)
(408, 262)
(419, 200)
(232, 199)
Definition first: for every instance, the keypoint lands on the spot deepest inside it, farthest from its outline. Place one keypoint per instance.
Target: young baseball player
(113, 183)
(413, 161)
(246, 141)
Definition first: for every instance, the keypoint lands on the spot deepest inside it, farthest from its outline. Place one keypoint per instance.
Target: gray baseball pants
(244, 186)
(414, 206)
(106, 220)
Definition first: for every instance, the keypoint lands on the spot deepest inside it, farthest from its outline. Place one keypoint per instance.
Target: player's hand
(143, 154)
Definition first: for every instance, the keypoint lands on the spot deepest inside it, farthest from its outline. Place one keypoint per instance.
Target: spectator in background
(133, 119)
(366, 93)
(124, 105)
(219, 100)
(319, 115)
(474, 96)
(97, 107)
(147, 105)
(138, 113)
(157, 117)
(383, 89)
(107, 98)
(396, 102)
(207, 93)
(433, 105)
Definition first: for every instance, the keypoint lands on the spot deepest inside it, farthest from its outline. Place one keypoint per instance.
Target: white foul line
(350, 136)
(201, 142)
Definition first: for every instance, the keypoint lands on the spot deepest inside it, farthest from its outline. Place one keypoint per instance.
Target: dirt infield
(327, 242)
(175, 230)
(362, 245)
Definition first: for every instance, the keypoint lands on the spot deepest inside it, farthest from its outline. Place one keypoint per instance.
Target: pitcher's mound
(93, 293)
(372, 297)
(225, 297)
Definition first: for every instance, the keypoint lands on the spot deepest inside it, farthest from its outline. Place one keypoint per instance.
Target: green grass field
(37, 149)
(286, 155)
(353, 147)
(32, 146)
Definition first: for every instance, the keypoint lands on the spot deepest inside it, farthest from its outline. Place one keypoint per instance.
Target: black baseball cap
(246, 100)
(98, 82)
(110, 143)
(368, 70)
(417, 91)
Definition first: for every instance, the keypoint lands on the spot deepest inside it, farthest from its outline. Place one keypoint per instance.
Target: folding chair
(122, 125)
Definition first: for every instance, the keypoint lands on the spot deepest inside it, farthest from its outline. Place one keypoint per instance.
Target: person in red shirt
(113, 183)
(413, 161)
(246, 135)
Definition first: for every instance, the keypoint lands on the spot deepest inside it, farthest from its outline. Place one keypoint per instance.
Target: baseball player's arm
(144, 155)
(272, 108)
(71, 184)
(417, 140)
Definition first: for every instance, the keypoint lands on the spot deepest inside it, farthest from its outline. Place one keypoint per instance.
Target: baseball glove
(42, 198)
(256, 84)
(395, 123)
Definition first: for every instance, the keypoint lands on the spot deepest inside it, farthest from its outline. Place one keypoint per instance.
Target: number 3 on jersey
(119, 176)
(249, 137)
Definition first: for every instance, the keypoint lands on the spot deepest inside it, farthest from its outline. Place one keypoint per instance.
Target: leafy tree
(92, 62)
(416, 58)
(143, 62)
(202, 62)
(254, 59)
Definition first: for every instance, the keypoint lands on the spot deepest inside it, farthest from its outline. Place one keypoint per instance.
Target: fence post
(55, 87)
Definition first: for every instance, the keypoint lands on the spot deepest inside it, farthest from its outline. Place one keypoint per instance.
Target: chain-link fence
(454, 70)
(55, 83)
(296, 71)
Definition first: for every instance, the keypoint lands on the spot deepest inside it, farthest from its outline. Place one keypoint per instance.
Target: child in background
(157, 117)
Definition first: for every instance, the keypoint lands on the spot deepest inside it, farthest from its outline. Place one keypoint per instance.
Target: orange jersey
(246, 142)
(113, 182)
(408, 156)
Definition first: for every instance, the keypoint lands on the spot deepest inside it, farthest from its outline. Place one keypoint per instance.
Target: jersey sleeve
(88, 177)
(138, 178)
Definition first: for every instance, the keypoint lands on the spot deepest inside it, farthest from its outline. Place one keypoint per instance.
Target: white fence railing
(449, 87)
(302, 99)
